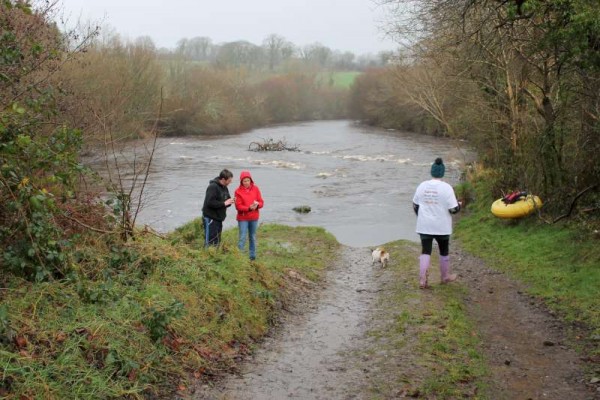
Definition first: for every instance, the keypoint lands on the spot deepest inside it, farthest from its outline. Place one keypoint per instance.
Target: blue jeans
(248, 228)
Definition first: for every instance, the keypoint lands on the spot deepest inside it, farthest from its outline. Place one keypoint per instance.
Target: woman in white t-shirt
(434, 202)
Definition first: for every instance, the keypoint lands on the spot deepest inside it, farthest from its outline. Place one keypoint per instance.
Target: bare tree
(127, 172)
(427, 88)
(273, 46)
(343, 61)
(316, 54)
(240, 53)
(200, 48)
(526, 63)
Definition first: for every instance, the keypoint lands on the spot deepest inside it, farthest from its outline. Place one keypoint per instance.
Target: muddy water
(358, 181)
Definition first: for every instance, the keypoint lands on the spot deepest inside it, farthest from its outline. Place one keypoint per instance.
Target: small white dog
(379, 254)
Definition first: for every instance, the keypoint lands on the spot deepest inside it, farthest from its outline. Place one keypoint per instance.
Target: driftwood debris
(271, 145)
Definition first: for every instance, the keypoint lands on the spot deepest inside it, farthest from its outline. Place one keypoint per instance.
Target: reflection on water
(358, 181)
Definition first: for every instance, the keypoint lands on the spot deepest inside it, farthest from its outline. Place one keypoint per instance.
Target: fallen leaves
(21, 341)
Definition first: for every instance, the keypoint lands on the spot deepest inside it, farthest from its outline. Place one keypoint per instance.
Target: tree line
(520, 80)
(204, 88)
(69, 94)
(274, 53)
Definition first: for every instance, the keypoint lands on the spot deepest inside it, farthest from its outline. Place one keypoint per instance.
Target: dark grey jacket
(214, 207)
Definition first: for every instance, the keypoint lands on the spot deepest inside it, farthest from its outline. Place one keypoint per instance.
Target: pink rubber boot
(424, 261)
(445, 270)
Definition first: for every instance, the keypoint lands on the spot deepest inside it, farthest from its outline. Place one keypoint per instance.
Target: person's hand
(229, 202)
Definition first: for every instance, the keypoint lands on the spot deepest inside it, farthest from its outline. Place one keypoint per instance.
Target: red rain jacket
(245, 197)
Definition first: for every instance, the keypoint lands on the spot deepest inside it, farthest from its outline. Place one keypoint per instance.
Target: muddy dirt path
(333, 345)
(525, 345)
(303, 359)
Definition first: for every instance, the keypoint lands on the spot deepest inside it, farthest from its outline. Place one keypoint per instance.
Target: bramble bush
(39, 166)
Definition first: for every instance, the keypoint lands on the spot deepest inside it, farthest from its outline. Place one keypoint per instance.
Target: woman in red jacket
(248, 201)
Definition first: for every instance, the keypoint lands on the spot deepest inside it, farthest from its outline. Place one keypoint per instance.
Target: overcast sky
(345, 25)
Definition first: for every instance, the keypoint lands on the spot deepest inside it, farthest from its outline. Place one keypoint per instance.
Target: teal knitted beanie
(438, 168)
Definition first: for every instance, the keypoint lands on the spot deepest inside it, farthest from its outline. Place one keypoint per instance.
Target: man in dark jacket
(214, 210)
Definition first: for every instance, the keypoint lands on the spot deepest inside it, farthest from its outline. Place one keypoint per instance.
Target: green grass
(340, 79)
(138, 320)
(560, 264)
(431, 332)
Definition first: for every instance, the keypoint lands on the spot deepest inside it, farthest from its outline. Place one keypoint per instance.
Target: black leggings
(443, 242)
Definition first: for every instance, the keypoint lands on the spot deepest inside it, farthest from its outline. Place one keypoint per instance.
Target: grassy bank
(559, 263)
(140, 320)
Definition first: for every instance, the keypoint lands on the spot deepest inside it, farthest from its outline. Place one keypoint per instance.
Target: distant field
(338, 79)
(342, 80)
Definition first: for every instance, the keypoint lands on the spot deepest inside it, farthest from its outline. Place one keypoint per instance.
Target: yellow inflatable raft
(520, 208)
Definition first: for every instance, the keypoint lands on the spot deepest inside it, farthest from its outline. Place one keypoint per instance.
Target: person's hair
(225, 174)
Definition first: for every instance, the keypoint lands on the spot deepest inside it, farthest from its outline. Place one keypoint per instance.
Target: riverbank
(497, 333)
(482, 337)
(145, 319)
(163, 317)
(559, 264)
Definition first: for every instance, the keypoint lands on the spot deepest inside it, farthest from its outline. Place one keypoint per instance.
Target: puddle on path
(303, 360)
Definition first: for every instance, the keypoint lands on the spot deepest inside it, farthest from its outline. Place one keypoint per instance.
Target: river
(358, 181)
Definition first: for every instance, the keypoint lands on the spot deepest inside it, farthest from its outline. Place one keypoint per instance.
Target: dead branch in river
(271, 145)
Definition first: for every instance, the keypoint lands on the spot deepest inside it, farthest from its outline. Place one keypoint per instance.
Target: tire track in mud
(526, 346)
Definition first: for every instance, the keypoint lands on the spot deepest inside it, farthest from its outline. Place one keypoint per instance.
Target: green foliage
(38, 173)
(189, 233)
(122, 256)
(102, 292)
(159, 319)
(464, 192)
(136, 322)
(486, 185)
(35, 248)
(38, 157)
(21, 5)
